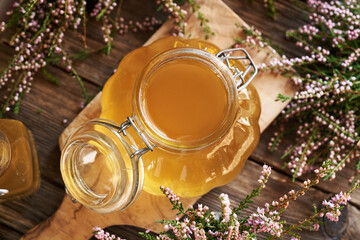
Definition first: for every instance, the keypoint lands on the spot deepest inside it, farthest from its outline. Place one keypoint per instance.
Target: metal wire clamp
(239, 76)
(128, 123)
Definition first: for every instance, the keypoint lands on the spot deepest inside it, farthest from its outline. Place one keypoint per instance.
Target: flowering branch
(40, 29)
(175, 13)
(203, 21)
(326, 106)
(270, 6)
(264, 177)
(201, 223)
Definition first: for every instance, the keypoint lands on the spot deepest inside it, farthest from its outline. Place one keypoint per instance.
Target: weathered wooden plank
(288, 17)
(223, 39)
(125, 231)
(276, 187)
(43, 112)
(19, 216)
(8, 233)
(353, 223)
(98, 68)
(47, 125)
(262, 154)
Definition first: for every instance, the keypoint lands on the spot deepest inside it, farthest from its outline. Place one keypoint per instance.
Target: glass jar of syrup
(179, 113)
(19, 169)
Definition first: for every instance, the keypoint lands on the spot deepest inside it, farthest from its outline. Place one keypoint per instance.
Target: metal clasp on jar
(239, 76)
(128, 123)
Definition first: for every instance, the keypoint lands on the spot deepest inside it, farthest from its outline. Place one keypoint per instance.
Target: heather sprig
(270, 6)
(176, 13)
(203, 20)
(40, 30)
(326, 107)
(101, 234)
(113, 23)
(173, 8)
(253, 37)
(331, 209)
(271, 10)
(231, 223)
(264, 177)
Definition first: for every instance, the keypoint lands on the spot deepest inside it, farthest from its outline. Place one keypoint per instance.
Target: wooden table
(49, 108)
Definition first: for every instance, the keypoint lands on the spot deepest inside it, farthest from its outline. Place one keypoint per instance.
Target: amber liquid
(193, 173)
(21, 176)
(185, 100)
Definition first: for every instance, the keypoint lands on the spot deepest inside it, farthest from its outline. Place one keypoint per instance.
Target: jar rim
(5, 156)
(209, 60)
(126, 172)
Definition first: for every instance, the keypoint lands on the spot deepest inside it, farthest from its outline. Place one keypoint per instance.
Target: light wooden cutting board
(73, 221)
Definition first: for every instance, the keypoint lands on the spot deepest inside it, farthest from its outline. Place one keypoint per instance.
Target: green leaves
(282, 98)
(203, 20)
(271, 10)
(51, 77)
(17, 104)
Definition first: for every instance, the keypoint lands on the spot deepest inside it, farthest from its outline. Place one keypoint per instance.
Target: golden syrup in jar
(21, 177)
(178, 99)
(185, 100)
(194, 173)
(190, 111)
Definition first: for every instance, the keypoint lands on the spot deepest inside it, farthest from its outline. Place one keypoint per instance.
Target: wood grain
(262, 154)
(45, 108)
(288, 15)
(267, 84)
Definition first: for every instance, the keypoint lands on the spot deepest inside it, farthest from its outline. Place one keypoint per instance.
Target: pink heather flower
(260, 222)
(319, 92)
(163, 237)
(102, 235)
(226, 210)
(201, 210)
(341, 198)
(316, 226)
(170, 195)
(264, 175)
(200, 234)
(2, 26)
(333, 205)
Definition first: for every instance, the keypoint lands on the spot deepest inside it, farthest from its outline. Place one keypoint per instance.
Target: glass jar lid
(102, 167)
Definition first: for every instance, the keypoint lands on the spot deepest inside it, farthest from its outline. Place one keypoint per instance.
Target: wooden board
(73, 221)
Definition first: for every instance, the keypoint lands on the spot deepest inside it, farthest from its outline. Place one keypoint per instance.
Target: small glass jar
(19, 169)
(191, 122)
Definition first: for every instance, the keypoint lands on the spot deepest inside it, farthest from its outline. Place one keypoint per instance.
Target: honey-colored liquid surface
(196, 172)
(185, 100)
(22, 176)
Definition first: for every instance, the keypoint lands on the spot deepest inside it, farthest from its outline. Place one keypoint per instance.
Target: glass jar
(19, 169)
(192, 112)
